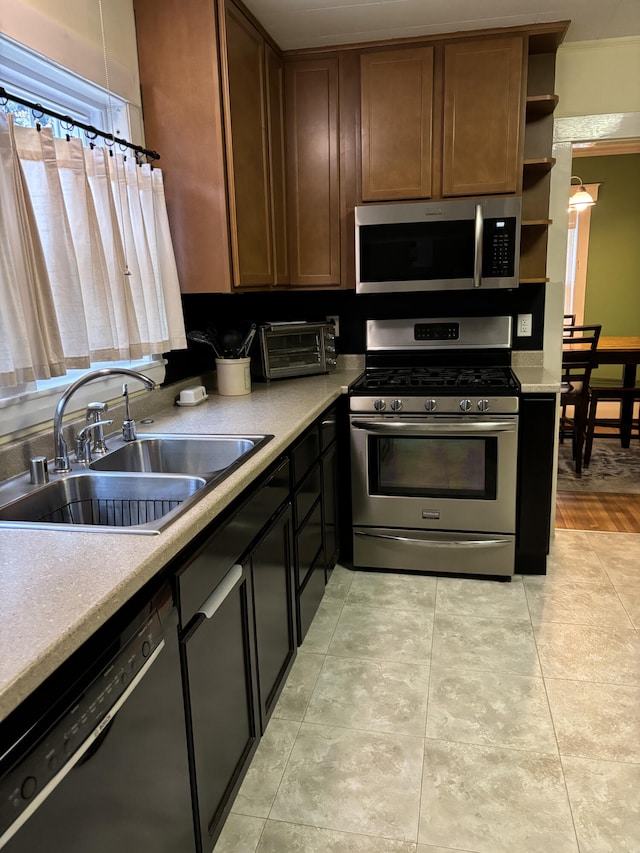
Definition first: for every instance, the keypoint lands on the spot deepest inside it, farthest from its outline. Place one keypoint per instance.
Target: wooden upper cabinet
(313, 188)
(277, 168)
(247, 143)
(396, 123)
(483, 83)
(180, 84)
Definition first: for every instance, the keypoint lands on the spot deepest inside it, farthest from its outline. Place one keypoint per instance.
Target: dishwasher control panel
(30, 769)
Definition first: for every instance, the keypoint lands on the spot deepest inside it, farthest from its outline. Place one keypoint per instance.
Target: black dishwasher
(96, 759)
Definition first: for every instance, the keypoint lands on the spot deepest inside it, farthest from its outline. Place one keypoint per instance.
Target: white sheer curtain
(30, 343)
(87, 266)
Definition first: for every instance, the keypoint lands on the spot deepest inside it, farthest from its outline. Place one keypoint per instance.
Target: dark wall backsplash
(239, 310)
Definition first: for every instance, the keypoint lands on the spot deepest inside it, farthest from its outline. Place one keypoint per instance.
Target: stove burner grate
(437, 378)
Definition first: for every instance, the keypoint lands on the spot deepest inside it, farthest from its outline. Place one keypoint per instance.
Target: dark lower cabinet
(218, 654)
(536, 437)
(274, 607)
(330, 508)
(238, 641)
(310, 595)
(315, 514)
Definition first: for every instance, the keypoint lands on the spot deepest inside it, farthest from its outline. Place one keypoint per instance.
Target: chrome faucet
(83, 440)
(61, 454)
(95, 417)
(128, 424)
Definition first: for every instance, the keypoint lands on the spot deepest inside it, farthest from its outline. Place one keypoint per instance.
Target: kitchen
(338, 303)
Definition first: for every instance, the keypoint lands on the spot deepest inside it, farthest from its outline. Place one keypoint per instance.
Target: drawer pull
(222, 591)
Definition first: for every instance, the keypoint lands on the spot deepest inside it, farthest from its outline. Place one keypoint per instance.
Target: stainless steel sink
(104, 501)
(206, 456)
(139, 486)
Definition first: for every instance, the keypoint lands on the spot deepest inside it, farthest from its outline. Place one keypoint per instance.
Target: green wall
(613, 273)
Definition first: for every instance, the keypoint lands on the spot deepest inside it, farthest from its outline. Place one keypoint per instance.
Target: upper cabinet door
(396, 123)
(483, 81)
(248, 153)
(313, 188)
(275, 112)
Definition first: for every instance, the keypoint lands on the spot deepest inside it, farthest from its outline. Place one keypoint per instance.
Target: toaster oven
(297, 348)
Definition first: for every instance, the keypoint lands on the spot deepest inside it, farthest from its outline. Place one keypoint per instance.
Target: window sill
(31, 412)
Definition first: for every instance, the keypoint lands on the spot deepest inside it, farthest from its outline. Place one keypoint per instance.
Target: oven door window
(451, 467)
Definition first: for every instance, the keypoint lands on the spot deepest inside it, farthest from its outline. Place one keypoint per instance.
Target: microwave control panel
(499, 247)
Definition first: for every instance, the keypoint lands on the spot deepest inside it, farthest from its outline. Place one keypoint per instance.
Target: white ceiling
(315, 23)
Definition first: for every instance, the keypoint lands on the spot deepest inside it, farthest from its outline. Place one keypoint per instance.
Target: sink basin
(137, 487)
(104, 501)
(206, 456)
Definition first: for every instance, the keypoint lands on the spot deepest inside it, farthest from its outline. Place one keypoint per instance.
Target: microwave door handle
(477, 250)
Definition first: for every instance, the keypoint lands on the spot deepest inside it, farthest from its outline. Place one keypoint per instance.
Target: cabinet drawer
(309, 598)
(219, 661)
(307, 494)
(199, 577)
(308, 543)
(328, 428)
(304, 454)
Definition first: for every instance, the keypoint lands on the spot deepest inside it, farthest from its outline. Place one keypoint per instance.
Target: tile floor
(425, 715)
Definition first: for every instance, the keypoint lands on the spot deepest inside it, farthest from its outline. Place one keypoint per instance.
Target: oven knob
(430, 405)
(396, 405)
(483, 405)
(465, 405)
(379, 405)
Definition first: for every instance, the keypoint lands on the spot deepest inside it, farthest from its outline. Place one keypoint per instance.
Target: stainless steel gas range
(433, 433)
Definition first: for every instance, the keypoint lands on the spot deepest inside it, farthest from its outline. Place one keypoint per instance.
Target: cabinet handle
(221, 592)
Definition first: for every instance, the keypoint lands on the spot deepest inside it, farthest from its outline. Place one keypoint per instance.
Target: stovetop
(441, 380)
(442, 366)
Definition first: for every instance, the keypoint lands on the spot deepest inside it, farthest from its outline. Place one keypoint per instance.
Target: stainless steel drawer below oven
(434, 551)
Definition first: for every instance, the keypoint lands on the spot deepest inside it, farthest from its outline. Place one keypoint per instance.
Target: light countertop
(59, 587)
(535, 379)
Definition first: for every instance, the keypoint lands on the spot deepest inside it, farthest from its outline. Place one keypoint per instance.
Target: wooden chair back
(568, 323)
(579, 354)
(579, 357)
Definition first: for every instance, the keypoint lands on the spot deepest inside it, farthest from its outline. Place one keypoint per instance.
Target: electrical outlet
(332, 318)
(525, 322)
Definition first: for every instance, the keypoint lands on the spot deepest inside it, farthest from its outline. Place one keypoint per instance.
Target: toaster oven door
(295, 350)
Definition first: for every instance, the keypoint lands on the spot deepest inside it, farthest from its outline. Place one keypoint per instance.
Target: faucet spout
(61, 454)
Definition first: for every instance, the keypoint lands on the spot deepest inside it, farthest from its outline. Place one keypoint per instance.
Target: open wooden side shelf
(541, 105)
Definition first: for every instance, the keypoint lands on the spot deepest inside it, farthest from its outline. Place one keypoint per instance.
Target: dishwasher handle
(221, 592)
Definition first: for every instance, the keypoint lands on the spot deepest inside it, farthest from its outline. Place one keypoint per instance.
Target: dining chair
(568, 324)
(608, 393)
(579, 357)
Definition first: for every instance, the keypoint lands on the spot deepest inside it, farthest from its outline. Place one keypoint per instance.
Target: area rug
(612, 469)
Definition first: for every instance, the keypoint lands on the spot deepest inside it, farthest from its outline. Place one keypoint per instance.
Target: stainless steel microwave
(454, 244)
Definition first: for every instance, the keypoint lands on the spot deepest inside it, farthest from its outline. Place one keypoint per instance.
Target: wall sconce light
(581, 199)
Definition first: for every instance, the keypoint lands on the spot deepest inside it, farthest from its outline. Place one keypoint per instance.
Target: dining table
(625, 351)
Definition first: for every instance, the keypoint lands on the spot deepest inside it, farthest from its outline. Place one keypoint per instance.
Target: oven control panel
(448, 331)
(416, 405)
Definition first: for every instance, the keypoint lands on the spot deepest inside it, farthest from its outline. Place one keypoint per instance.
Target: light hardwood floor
(590, 511)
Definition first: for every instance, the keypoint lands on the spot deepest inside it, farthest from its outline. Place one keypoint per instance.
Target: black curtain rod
(90, 131)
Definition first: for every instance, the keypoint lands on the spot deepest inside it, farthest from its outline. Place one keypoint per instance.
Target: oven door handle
(391, 427)
(438, 543)
(477, 247)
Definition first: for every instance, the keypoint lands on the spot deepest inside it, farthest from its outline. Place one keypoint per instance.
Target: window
(33, 77)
